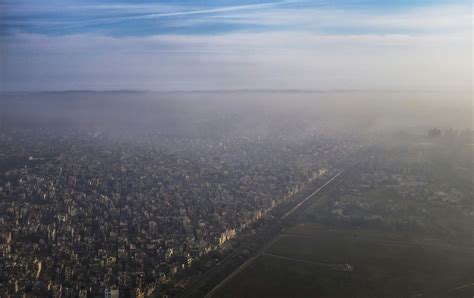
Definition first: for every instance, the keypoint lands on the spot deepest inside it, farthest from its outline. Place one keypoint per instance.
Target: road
(339, 267)
(311, 195)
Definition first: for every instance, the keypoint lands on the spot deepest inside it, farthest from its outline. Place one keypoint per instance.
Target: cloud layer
(256, 45)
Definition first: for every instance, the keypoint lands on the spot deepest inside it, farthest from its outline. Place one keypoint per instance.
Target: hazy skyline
(183, 45)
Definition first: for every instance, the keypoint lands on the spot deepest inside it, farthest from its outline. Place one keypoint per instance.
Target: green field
(384, 266)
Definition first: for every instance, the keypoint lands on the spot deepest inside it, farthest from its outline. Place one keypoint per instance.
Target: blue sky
(169, 45)
(141, 18)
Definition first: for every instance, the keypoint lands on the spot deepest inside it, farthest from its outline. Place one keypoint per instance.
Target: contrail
(112, 20)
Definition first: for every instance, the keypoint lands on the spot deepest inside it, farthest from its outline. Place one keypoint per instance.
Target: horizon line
(239, 90)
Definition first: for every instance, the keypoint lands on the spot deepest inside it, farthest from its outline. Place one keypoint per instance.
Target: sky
(231, 45)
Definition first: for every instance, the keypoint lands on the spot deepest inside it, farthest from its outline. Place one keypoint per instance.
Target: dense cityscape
(84, 214)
